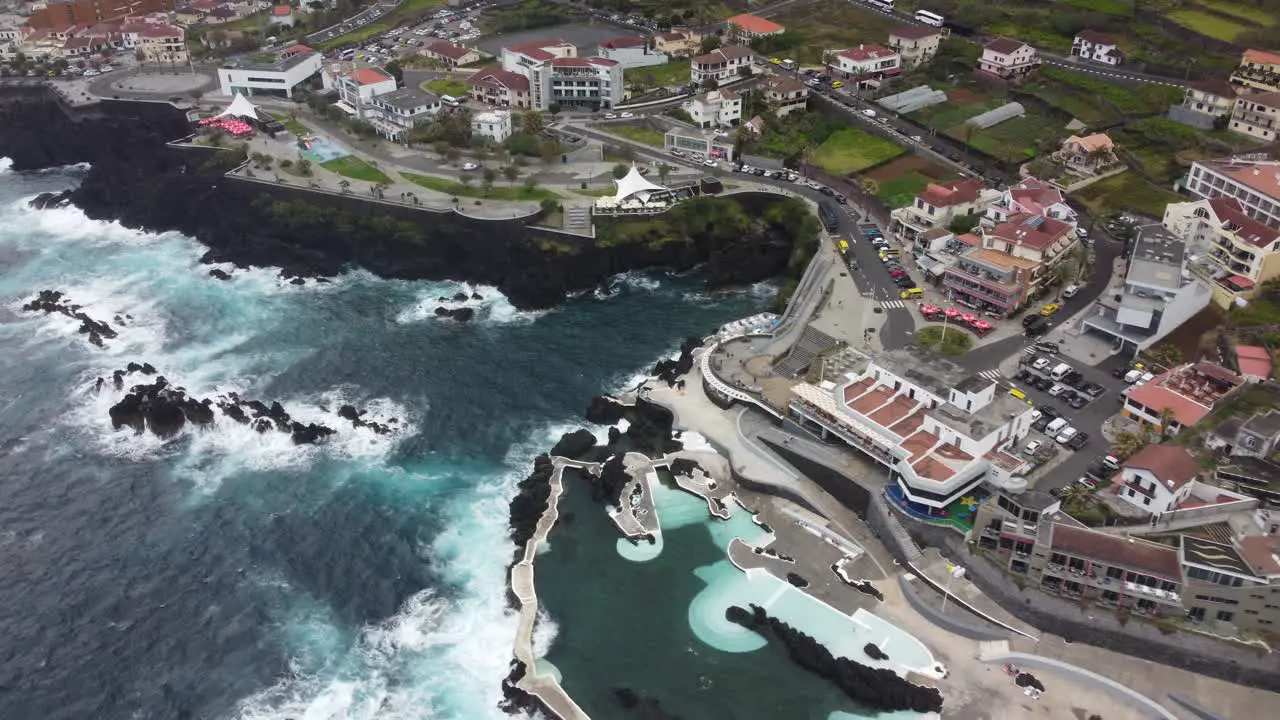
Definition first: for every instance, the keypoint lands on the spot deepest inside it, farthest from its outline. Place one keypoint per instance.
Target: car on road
(1047, 347)
(837, 85)
(1041, 363)
(869, 113)
(610, 116)
(1078, 402)
(709, 163)
(1049, 310)
(1066, 434)
(626, 115)
(1057, 390)
(1078, 441)
(775, 61)
(1028, 319)
(1037, 328)
(680, 153)
(1070, 290)
(1031, 447)
(470, 166)
(917, 139)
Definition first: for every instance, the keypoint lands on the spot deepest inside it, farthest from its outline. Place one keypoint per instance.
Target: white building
(1233, 252)
(1096, 47)
(1008, 59)
(940, 203)
(865, 64)
(1255, 183)
(395, 113)
(1031, 196)
(1256, 114)
(557, 76)
(716, 108)
(358, 87)
(940, 431)
(295, 65)
(916, 44)
(630, 51)
(725, 64)
(493, 124)
(1158, 293)
(1158, 478)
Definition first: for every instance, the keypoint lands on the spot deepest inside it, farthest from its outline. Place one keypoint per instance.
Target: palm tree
(1075, 495)
(487, 178)
(1127, 443)
(664, 171)
(533, 122)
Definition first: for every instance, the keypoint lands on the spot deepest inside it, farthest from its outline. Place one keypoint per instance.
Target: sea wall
(138, 180)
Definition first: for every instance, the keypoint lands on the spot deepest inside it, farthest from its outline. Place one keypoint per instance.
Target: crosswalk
(892, 304)
(992, 375)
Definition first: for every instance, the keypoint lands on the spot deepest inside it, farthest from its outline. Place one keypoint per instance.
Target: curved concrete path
(1087, 677)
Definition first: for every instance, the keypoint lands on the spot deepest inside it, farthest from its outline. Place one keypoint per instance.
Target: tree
(530, 183)
(620, 171)
(489, 176)
(511, 172)
(548, 151)
(466, 180)
(1127, 443)
(344, 185)
(452, 155)
(709, 42)
(140, 56)
(962, 224)
(533, 123)
(394, 69)
(1166, 354)
(664, 171)
(304, 167)
(710, 84)
(553, 109)
(440, 147)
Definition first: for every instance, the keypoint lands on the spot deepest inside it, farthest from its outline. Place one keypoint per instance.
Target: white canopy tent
(240, 107)
(634, 186)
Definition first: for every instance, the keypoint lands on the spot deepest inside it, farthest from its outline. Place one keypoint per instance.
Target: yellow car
(837, 84)
(775, 61)
(1048, 310)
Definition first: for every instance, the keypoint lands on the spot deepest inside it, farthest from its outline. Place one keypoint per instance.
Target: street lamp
(953, 572)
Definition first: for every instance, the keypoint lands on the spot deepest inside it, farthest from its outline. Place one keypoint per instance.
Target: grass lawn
(1126, 191)
(944, 116)
(1078, 104)
(635, 133)
(593, 192)
(1244, 12)
(292, 125)
(675, 72)
(899, 191)
(356, 169)
(1118, 8)
(446, 86)
(851, 150)
(955, 342)
(1208, 24)
(812, 29)
(497, 192)
(1012, 140)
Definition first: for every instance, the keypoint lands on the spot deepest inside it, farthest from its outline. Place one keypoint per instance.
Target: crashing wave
(487, 302)
(6, 165)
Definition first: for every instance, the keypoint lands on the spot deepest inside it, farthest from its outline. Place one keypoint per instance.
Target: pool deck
(641, 520)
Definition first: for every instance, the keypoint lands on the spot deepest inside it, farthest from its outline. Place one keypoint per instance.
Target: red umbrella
(929, 309)
(969, 317)
(982, 325)
(951, 312)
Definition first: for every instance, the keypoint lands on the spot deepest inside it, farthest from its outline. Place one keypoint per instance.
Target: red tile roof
(499, 78)
(161, 31)
(1261, 57)
(724, 55)
(537, 49)
(369, 76)
(281, 10)
(930, 468)
(296, 50)
(1216, 86)
(624, 41)
(1228, 209)
(754, 24)
(1166, 391)
(582, 62)
(1034, 195)
(1004, 45)
(955, 192)
(853, 391)
(1253, 361)
(447, 49)
(862, 53)
(914, 32)
(1033, 231)
(918, 443)
(1173, 466)
(1261, 553)
(872, 400)
(1095, 37)
(1142, 555)
(908, 424)
(893, 412)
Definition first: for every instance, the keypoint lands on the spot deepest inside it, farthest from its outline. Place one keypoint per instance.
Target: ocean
(227, 574)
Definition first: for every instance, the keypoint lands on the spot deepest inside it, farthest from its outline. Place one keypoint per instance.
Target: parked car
(709, 163)
(611, 116)
(1048, 411)
(1092, 389)
(1072, 377)
(1031, 447)
(1028, 319)
(1070, 290)
(470, 166)
(1041, 424)
(1042, 384)
(1065, 435)
(1078, 402)
(869, 112)
(1041, 363)
(626, 115)
(1078, 441)
(1049, 310)
(1048, 347)
(1057, 390)
(1023, 375)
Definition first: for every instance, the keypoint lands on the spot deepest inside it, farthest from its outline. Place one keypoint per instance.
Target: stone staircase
(895, 528)
(811, 343)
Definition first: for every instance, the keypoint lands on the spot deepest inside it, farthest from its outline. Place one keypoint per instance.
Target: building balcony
(991, 280)
(1014, 527)
(976, 289)
(1168, 597)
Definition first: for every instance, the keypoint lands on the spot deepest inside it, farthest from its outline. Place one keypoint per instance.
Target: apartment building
(359, 86)
(1031, 196)
(990, 281)
(1097, 47)
(746, 27)
(915, 44)
(395, 113)
(715, 108)
(1215, 98)
(630, 51)
(1253, 182)
(1258, 69)
(940, 203)
(725, 64)
(1234, 253)
(500, 88)
(557, 76)
(1188, 392)
(1256, 436)
(1008, 59)
(784, 94)
(865, 65)
(1256, 114)
(1040, 239)
(1156, 295)
(163, 45)
(938, 430)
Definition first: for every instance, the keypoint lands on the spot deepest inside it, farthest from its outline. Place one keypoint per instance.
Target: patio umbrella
(969, 317)
(951, 312)
(929, 309)
(982, 325)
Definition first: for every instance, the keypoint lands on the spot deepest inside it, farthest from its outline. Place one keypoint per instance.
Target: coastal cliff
(136, 179)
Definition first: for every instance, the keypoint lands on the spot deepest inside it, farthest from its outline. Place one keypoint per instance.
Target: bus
(882, 4)
(929, 18)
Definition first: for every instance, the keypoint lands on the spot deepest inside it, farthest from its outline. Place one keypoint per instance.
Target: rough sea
(227, 574)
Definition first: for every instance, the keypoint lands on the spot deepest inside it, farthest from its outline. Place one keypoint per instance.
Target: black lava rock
(574, 444)
(604, 410)
(219, 274)
(669, 371)
(53, 301)
(874, 652)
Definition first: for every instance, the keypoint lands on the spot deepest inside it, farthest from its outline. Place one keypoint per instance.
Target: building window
(1225, 616)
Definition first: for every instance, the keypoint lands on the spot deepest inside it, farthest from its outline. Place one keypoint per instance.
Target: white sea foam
(6, 165)
(69, 224)
(139, 323)
(491, 306)
(634, 280)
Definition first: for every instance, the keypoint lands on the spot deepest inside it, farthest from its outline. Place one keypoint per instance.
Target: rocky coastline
(135, 178)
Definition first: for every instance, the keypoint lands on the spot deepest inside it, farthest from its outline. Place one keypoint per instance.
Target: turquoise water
(322, 149)
(658, 628)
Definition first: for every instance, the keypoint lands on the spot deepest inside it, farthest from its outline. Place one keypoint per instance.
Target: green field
(1012, 140)
(356, 169)
(673, 73)
(944, 116)
(1119, 8)
(292, 125)
(850, 150)
(497, 192)
(635, 133)
(446, 86)
(1247, 13)
(900, 191)
(814, 28)
(1126, 191)
(1208, 24)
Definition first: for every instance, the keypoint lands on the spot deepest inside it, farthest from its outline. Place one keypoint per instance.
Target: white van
(1053, 428)
(1070, 290)
(1060, 371)
(1132, 376)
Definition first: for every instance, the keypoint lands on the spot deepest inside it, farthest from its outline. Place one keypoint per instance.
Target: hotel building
(1254, 183)
(557, 76)
(938, 430)
(1258, 69)
(1234, 253)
